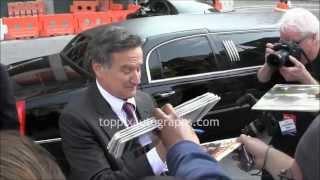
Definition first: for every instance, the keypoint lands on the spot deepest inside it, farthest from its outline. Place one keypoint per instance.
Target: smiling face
(122, 77)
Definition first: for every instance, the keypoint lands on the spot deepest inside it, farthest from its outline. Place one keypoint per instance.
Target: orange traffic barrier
(15, 9)
(84, 21)
(118, 16)
(21, 27)
(116, 7)
(133, 7)
(83, 6)
(27, 8)
(39, 6)
(55, 25)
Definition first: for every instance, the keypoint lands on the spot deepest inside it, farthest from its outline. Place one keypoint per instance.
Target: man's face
(123, 76)
(309, 44)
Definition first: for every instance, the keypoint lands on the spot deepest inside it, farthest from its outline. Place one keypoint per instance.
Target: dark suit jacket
(8, 112)
(85, 141)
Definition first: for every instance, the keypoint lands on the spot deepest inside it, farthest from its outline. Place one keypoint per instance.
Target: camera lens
(278, 58)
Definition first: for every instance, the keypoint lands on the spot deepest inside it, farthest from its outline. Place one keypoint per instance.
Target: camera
(281, 55)
(266, 121)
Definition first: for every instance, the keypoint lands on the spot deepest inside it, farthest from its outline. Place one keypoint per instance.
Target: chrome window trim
(234, 59)
(255, 68)
(23, 63)
(235, 50)
(231, 50)
(161, 44)
(231, 72)
(48, 141)
(226, 46)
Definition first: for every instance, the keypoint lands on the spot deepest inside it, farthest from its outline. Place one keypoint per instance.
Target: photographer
(301, 27)
(294, 60)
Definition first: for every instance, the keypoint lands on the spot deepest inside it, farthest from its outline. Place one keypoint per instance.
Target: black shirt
(288, 143)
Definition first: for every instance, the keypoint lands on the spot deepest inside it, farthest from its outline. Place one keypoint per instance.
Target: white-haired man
(302, 27)
(299, 27)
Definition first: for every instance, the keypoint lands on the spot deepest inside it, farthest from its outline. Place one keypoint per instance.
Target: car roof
(216, 22)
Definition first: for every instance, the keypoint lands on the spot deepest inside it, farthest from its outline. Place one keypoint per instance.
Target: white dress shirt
(116, 104)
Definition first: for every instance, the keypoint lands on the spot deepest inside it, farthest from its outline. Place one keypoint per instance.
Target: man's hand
(255, 147)
(173, 129)
(265, 72)
(269, 50)
(298, 72)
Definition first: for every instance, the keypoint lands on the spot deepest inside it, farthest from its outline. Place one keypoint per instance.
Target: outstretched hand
(173, 129)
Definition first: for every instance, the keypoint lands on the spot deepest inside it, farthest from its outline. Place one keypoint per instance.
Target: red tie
(129, 110)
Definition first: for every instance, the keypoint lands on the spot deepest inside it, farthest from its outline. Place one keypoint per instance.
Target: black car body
(184, 56)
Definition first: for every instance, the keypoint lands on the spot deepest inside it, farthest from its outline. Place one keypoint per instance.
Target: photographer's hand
(298, 72)
(265, 72)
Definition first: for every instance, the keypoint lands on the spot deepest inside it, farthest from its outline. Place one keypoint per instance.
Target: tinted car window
(250, 46)
(41, 75)
(182, 57)
(43, 78)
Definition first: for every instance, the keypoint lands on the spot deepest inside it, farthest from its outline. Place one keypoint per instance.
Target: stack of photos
(291, 97)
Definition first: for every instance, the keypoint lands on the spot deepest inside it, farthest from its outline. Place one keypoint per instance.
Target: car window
(250, 46)
(181, 58)
(41, 74)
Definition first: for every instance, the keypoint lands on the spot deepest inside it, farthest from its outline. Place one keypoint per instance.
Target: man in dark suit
(8, 112)
(108, 105)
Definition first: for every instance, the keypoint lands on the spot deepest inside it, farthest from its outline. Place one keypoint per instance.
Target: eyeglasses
(298, 43)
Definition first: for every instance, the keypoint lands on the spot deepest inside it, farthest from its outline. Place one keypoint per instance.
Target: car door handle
(164, 94)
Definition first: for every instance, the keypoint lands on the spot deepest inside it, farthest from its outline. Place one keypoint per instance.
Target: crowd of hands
(171, 135)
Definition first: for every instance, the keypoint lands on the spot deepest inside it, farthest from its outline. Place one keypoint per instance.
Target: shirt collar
(115, 102)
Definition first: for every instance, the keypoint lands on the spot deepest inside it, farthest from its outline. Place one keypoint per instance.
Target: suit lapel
(105, 112)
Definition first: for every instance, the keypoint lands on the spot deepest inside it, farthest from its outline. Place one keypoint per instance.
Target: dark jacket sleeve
(85, 155)
(8, 112)
(187, 159)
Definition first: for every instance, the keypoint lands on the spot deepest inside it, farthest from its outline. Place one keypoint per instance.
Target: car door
(184, 68)
(244, 50)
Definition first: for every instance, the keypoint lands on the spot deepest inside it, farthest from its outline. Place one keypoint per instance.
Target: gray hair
(109, 40)
(302, 20)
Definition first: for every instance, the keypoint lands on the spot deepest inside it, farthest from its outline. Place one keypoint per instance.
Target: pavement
(231, 168)
(268, 5)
